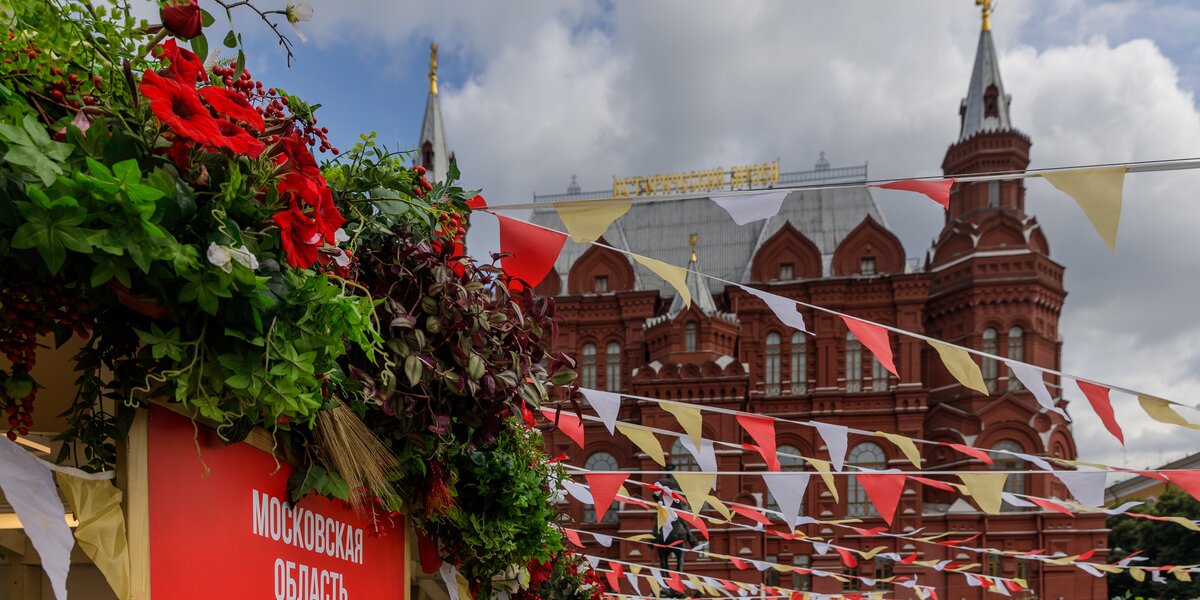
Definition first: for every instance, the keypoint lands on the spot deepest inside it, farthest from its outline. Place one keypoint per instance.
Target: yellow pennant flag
(587, 221)
(985, 488)
(695, 487)
(905, 444)
(1160, 410)
(869, 554)
(644, 439)
(641, 537)
(636, 569)
(623, 491)
(101, 531)
(1137, 574)
(1098, 567)
(689, 418)
(676, 276)
(654, 586)
(720, 507)
(1098, 193)
(1181, 573)
(961, 366)
(822, 468)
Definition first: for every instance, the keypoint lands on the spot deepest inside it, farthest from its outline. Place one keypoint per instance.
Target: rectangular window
(853, 365)
(883, 570)
(787, 271)
(993, 194)
(601, 284)
(995, 568)
(879, 376)
(771, 575)
(867, 265)
(802, 581)
(852, 583)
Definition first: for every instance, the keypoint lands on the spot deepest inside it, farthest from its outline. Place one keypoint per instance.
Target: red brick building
(987, 282)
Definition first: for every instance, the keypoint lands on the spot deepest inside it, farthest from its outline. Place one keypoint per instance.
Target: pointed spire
(986, 106)
(433, 152)
(701, 297)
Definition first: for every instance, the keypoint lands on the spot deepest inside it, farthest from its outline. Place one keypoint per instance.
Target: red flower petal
(299, 235)
(235, 139)
(182, 18)
(179, 108)
(182, 63)
(231, 105)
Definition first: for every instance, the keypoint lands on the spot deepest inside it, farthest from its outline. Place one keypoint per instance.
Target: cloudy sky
(534, 91)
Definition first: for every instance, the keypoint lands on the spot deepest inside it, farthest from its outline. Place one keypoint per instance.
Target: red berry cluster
(422, 185)
(68, 91)
(272, 106)
(31, 311)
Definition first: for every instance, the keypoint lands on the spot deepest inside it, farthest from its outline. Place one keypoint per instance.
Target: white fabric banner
(1031, 378)
(706, 455)
(788, 489)
(606, 405)
(578, 491)
(28, 486)
(1086, 484)
(634, 582)
(835, 439)
(603, 540)
(785, 309)
(748, 208)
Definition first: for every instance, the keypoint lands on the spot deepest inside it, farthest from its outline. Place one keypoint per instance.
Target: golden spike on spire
(986, 5)
(692, 240)
(433, 68)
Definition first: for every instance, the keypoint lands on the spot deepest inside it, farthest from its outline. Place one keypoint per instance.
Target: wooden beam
(133, 480)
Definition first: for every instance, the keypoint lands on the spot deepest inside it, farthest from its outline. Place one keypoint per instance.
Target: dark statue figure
(678, 533)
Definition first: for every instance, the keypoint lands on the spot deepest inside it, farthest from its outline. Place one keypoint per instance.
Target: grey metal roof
(725, 249)
(985, 73)
(434, 132)
(697, 289)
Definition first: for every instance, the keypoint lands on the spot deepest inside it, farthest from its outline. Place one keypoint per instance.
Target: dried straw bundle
(348, 446)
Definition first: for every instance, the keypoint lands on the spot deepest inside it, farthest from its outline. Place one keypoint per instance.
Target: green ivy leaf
(200, 46)
(413, 367)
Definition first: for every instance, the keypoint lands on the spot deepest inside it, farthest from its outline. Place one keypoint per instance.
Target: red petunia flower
(305, 188)
(183, 63)
(235, 139)
(295, 157)
(180, 153)
(182, 18)
(329, 219)
(178, 106)
(300, 236)
(232, 105)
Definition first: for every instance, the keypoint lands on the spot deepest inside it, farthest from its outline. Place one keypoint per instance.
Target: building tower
(433, 152)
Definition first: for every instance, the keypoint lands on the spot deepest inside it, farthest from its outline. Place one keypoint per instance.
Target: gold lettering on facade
(709, 180)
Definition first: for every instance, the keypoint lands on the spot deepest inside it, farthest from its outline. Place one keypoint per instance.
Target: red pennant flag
(573, 537)
(938, 190)
(750, 513)
(696, 522)
(614, 572)
(872, 532)
(883, 490)
(1152, 474)
(604, 487)
(910, 559)
(972, 452)
(1033, 552)
(933, 483)
(729, 585)
(875, 338)
(1098, 396)
(957, 542)
(847, 557)
(427, 550)
(1086, 555)
(567, 422)
(1050, 505)
(1188, 480)
(675, 583)
(762, 429)
(737, 562)
(1011, 585)
(532, 250)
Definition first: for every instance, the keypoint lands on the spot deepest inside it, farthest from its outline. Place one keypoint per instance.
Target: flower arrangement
(169, 214)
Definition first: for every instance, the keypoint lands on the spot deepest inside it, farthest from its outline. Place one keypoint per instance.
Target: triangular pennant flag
(720, 507)
(695, 487)
(606, 404)
(972, 452)
(788, 490)
(532, 250)
(905, 444)
(883, 489)
(1031, 378)
(29, 488)
(614, 576)
(578, 492)
(834, 437)
(676, 276)
(587, 221)
(568, 423)
(656, 583)
(762, 430)
(822, 469)
(1098, 192)
(675, 583)
(748, 208)
(847, 558)
(634, 582)
(604, 488)
(961, 366)
(603, 540)
(1050, 505)
(645, 440)
(985, 488)
(689, 418)
(1188, 480)
(573, 537)
(875, 338)
(750, 513)
(1160, 410)
(937, 190)
(96, 504)
(1097, 396)
(696, 522)
(1087, 486)
(705, 455)
(785, 309)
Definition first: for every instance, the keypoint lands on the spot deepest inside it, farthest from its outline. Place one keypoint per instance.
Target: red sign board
(233, 533)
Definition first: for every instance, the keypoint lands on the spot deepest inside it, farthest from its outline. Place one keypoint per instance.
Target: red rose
(300, 236)
(182, 63)
(178, 106)
(181, 18)
(235, 139)
(231, 105)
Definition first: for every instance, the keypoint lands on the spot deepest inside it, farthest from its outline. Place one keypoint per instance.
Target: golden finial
(986, 5)
(433, 68)
(692, 240)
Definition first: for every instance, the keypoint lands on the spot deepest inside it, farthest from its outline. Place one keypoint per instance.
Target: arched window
(871, 456)
(689, 338)
(989, 364)
(799, 372)
(612, 367)
(600, 461)
(1016, 351)
(786, 463)
(771, 366)
(681, 459)
(853, 363)
(1015, 484)
(879, 376)
(587, 371)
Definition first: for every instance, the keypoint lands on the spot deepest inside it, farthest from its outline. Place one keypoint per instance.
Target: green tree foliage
(1161, 543)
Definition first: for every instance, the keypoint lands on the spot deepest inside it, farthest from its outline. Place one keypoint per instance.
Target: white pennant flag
(1031, 378)
(593, 560)
(835, 439)
(578, 491)
(1121, 509)
(603, 540)
(748, 208)
(999, 587)
(1016, 500)
(706, 455)
(29, 488)
(606, 405)
(785, 309)
(450, 577)
(822, 548)
(634, 581)
(972, 580)
(1089, 569)
(760, 565)
(658, 577)
(1086, 484)
(1037, 461)
(788, 490)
